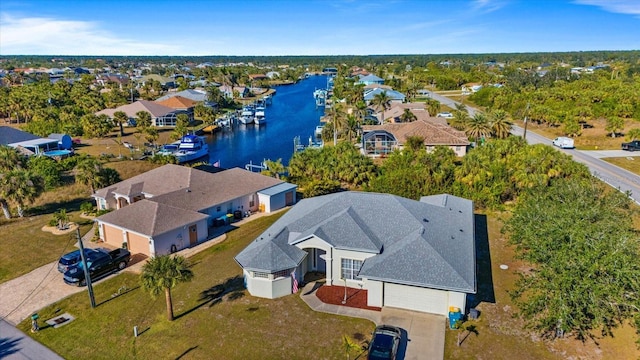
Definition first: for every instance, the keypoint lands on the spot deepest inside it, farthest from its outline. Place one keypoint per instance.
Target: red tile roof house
(172, 207)
(180, 104)
(160, 115)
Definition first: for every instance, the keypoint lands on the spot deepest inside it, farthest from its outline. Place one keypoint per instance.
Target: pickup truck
(101, 263)
(71, 259)
(631, 146)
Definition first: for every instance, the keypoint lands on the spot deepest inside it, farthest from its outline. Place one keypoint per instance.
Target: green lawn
(238, 326)
(631, 163)
(26, 247)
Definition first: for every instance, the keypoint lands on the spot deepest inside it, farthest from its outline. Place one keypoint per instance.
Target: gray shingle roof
(428, 243)
(9, 135)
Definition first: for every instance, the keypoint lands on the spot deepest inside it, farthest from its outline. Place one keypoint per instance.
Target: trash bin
(237, 215)
(454, 316)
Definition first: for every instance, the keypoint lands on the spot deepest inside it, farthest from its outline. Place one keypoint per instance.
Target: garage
(416, 298)
(112, 235)
(138, 244)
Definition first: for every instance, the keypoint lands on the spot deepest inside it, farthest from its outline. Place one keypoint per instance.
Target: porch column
(329, 266)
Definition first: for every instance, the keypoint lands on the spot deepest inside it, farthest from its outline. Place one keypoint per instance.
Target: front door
(193, 234)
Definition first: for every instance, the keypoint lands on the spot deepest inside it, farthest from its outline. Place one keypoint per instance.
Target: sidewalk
(308, 295)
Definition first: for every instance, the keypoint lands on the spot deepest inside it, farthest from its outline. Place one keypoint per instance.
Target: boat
(321, 96)
(191, 147)
(259, 117)
(169, 149)
(247, 115)
(319, 129)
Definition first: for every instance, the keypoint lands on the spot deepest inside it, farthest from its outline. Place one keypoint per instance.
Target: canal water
(292, 113)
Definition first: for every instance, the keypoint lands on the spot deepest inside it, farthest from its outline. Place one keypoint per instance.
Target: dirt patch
(356, 298)
(71, 227)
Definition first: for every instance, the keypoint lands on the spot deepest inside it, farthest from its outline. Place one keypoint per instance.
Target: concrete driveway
(423, 335)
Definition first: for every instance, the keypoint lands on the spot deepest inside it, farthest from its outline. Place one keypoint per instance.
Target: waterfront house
(173, 207)
(380, 140)
(370, 79)
(160, 115)
(415, 255)
(394, 96)
(181, 104)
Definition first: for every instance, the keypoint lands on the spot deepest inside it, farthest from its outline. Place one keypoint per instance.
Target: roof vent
(188, 190)
(444, 200)
(425, 220)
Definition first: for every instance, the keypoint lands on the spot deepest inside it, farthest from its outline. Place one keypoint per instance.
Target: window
(263, 275)
(219, 208)
(282, 273)
(350, 268)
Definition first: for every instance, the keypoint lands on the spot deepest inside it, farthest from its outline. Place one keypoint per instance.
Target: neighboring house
(415, 255)
(382, 139)
(120, 79)
(172, 207)
(228, 91)
(165, 82)
(191, 94)
(395, 112)
(394, 96)
(181, 104)
(29, 144)
(160, 115)
(273, 75)
(370, 80)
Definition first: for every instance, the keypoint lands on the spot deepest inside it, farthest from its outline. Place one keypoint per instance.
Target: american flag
(295, 282)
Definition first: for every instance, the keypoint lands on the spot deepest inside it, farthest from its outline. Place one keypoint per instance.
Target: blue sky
(315, 27)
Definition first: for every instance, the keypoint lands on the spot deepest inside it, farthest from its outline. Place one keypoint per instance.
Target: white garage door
(416, 298)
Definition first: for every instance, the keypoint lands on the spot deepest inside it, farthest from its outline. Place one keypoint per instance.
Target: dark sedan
(384, 343)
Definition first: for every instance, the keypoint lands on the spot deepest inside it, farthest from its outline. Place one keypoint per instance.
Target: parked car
(101, 263)
(384, 343)
(71, 259)
(631, 146)
(446, 115)
(563, 142)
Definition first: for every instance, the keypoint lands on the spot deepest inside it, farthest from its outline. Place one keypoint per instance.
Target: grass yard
(629, 163)
(500, 336)
(236, 326)
(26, 247)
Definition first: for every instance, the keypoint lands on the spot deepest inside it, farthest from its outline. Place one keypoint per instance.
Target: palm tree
(87, 171)
(478, 126)
(10, 160)
(381, 101)
(349, 345)
(143, 119)
(120, 118)
(20, 187)
(500, 124)
(408, 116)
(163, 273)
(633, 134)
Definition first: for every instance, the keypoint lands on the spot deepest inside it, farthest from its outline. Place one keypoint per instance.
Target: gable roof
(392, 94)
(432, 132)
(9, 135)
(156, 110)
(429, 243)
(158, 181)
(151, 218)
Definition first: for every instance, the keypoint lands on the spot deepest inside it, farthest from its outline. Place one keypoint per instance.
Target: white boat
(169, 149)
(247, 115)
(259, 117)
(191, 147)
(321, 97)
(319, 129)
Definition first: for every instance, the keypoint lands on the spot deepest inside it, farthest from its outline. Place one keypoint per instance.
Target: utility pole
(526, 111)
(86, 269)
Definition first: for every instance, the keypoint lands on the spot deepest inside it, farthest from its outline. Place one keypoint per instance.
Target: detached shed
(64, 141)
(277, 197)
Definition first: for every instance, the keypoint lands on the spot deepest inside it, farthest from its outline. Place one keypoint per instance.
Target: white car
(563, 142)
(446, 115)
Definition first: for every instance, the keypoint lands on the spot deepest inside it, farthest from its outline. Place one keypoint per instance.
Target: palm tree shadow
(232, 288)
(9, 346)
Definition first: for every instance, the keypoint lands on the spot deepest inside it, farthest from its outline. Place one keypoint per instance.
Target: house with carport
(408, 254)
(174, 207)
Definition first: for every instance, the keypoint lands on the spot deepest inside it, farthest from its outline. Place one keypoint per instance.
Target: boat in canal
(192, 147)
(169, 149)
(247, 115)
(259, 117)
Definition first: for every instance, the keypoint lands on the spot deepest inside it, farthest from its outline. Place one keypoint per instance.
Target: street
(619, 178)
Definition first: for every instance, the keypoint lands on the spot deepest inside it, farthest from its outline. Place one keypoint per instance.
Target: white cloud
(49, 36)
(631, 7)
(487, 6)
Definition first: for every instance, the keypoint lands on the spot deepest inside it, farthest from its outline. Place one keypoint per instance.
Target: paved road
(619, 178)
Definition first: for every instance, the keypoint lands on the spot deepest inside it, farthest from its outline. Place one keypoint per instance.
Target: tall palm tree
(163, 273)
(87, 171)
(120, 118)
(20, 187)
(143, 119)
(381, 101)
(10, 159)
(478, 126)
(500, 124)
(408, 116)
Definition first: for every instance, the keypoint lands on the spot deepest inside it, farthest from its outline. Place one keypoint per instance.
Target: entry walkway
(423, 337)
